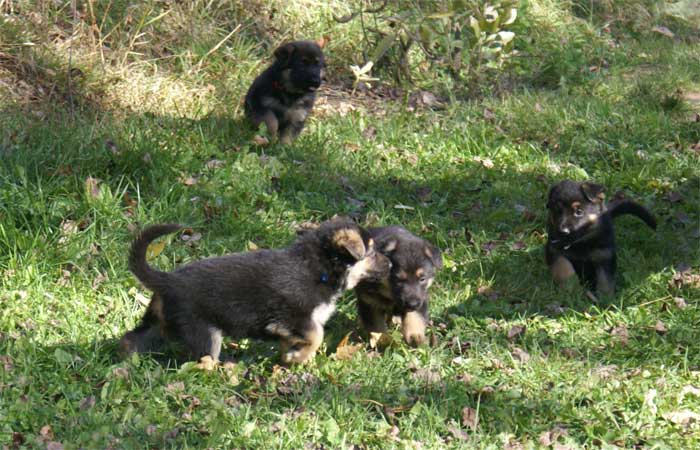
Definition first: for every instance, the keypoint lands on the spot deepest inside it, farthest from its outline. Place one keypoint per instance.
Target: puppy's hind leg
(271, 123)
(301, 348)
(202, 340)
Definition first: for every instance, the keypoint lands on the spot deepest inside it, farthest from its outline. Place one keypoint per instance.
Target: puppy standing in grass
(580, 233)
(284, 94)
(404, 292)
(286, 294)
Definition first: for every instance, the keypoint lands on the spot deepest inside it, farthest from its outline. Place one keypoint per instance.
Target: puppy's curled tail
(138, 265)
(623, 207)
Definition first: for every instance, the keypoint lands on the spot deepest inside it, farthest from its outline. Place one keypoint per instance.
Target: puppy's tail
(625, 206)
(138, 265)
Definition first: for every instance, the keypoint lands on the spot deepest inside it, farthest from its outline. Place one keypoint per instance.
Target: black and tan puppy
(284, 94)
(404, 293)
(581, 237)
(286, 294)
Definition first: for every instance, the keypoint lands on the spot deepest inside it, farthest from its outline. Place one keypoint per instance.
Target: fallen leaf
(605, 371)
(139, 297)
(649, 398)
(457, 433)
(17, 439)
(660, 327)
(191, 236)
(53, 445)
(538, 107)
(621, 333)
(345, 350)
(87, 403)
(151, 430)
(147, 158)
(516, 331)
(683, 417)
(92, 187)
(664, 31)
(369, 132)
(427, 375)
(488, 114)
(469, 418)
(260, 140)
(488, 247)
(215, 164)
(518, 245)
(189, 181)
(178, 386)
(6, 362)
(154, 249)
(680, 302)
(120, 372)
(692, 390)
(46, 433)
(521, 355)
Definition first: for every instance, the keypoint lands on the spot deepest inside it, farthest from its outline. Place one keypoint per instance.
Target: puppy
(581, 238)
(286, 294)
(284, 94)
(404, 293)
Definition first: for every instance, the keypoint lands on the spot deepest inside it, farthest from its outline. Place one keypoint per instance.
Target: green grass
(603, 373)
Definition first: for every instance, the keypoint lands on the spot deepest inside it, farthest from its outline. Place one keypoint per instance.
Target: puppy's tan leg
(413, 328)
(562, 270)
(297, 350)
(271, 123)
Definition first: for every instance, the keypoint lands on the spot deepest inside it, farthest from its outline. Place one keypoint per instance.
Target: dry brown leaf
(427, 375)
(53, 445)
(621, 333)
(92, 187)
(660, 327)
(345, 350)
(683, 417)
(457, 433)
(664, 31)
(178, 386)
(189, 181)
(516, 331)
(215, 164)
(120, 372)
(469, 418)
(521, 355)
(260, 140)
(46, 433)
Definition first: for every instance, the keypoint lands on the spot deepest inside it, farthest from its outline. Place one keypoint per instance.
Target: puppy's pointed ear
(284, 53)
(387, 247)
(350, 240)
(594, 192)
(433, 253)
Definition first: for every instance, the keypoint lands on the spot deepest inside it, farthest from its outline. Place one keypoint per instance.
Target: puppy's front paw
(207, 363)
(413, 329)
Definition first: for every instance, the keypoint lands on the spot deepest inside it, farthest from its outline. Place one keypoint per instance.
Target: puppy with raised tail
(285, 294)
(283, 95)
(580, 233)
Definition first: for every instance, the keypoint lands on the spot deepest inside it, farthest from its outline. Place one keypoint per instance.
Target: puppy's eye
(422, 280)
(578, 212)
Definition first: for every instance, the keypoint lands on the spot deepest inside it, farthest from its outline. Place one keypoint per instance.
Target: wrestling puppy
(581, 238)
(286, 294)
(284, 94)
(404, 293)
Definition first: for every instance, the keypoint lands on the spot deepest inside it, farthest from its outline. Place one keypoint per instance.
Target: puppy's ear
(284, 53)
(433, 253)
(594, 192)
(388, 246)
(350, 240)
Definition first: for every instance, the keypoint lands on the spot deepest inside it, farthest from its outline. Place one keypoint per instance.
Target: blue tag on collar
(324, 278)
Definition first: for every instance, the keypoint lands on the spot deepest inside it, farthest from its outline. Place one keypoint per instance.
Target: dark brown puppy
(286, 294)
(284, 94)
(581, 237)
(404, 293)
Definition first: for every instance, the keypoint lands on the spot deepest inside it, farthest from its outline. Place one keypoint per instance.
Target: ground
(89, 156)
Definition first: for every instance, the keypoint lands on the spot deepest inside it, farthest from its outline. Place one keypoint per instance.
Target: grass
(515, 362)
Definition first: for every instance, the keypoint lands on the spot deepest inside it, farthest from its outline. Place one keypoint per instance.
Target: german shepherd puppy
(286, 294)
(581, 238)
(284, 94)
(404, 293)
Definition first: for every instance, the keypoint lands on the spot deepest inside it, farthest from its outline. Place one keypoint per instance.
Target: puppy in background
(284, 94)
(404, 292)
(580, 233)
(285, 294)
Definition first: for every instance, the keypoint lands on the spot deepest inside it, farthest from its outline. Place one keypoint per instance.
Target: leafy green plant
(463, 38)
